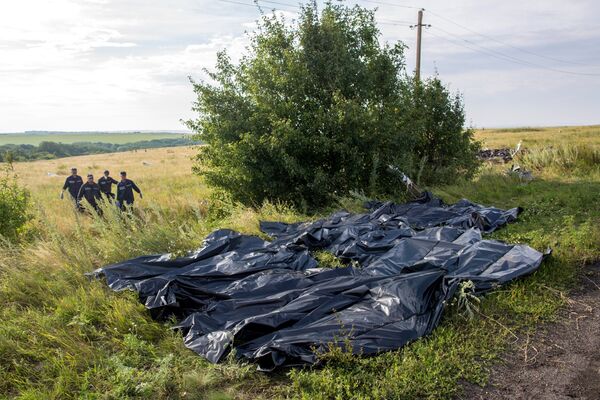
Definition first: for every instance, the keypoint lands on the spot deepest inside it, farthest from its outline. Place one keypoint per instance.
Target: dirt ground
(561, 360)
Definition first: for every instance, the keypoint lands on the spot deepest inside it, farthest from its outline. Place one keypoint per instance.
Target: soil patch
(561, 360)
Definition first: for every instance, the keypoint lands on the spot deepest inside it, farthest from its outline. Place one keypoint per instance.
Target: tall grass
(563, 158)
(63, 335)
(66, 336)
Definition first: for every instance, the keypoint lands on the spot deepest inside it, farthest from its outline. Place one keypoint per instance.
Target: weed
(65, 336)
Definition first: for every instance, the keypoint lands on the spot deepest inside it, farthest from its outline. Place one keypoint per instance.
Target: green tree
(9, 159)
(317, 108)
(445, 148)
(14, 207)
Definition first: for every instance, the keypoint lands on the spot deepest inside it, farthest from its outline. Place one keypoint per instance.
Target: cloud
(123, 64)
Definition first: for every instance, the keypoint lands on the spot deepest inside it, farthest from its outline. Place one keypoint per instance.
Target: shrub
(318, 108)
(445, 148)
(14, 207)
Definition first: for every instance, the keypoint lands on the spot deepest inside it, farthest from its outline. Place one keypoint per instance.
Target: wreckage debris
(502, 154)
(495, 154)
(524, 175)
(270, 301)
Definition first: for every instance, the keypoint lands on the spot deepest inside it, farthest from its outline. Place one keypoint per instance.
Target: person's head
(90, 178)
(123, 175)
(73, 171)
(106, 173)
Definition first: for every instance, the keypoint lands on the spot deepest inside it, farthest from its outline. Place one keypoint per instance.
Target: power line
(473, 46)
(515, 59)
(391, 4)
(475, 49)
(238, 3)
(506, 57)
(394, 21)
(490, 51)
(280, 3)
(297, 8)
(255, 5)
(503, 43)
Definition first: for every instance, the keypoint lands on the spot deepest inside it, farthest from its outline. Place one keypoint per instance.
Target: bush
(319, 108)
(445, 148)
(14, 207)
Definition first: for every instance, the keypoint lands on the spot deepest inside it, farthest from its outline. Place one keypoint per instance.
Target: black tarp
(271, 302)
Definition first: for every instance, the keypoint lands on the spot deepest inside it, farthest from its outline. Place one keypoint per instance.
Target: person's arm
(137, 189)
(80, 193)
(65, 186)
(113, 181)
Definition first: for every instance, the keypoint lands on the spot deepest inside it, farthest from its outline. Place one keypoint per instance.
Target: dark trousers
(109, 196)
(125, 204)
(77, 203)
(96, 207)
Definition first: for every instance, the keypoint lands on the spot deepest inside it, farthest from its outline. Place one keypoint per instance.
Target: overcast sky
(123, 64)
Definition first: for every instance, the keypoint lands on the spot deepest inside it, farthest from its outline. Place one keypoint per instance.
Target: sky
(83, 65)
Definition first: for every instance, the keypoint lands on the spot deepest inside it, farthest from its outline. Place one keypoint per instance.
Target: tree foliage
(319, 107)
(14, 207)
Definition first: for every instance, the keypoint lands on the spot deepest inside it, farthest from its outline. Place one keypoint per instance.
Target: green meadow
(74, 137)
(64, 336)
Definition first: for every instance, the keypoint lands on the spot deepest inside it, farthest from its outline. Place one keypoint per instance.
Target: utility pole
(419, 27)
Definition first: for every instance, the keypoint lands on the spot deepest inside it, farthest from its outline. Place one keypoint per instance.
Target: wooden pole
(419, 28)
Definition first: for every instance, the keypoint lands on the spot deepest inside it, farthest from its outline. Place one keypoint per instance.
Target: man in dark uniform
(105, 184)
(91, 191)
(125, 190)
(73, 184)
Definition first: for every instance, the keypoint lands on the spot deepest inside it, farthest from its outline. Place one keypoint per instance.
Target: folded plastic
(271, 302)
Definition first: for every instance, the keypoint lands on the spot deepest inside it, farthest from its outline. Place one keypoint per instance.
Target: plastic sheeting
(271, 302)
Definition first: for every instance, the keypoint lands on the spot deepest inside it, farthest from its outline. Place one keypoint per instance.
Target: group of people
(93, 192)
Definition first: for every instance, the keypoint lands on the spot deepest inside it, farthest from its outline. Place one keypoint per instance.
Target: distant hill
(36, 137)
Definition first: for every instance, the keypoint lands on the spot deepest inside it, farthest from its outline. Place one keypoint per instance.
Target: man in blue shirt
(125, 190)
(91, 191)
(73, 183)
(106, 183)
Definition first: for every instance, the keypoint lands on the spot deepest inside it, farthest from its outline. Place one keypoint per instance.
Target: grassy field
(64, 336)
(495, 138)
(73, 137)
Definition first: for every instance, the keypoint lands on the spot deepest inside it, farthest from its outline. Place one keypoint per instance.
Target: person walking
(73, 183)
(91, 191)
(125, 190)
(105, 184)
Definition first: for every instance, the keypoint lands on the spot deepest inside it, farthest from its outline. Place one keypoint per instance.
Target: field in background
(65, 336)
(491, 137)
(74, 137)
(164, 176)
(509, 137)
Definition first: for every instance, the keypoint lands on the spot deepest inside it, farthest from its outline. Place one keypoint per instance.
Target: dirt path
(561, 361)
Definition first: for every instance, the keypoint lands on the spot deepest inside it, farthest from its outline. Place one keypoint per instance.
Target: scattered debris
(271, 302)
(503, 154)
(523, 174)
(495, 154)
(414, 191)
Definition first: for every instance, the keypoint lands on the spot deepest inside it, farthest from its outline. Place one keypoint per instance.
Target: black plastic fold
(271, 302)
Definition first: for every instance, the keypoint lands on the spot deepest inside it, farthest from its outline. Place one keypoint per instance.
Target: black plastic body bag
(274, 305)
